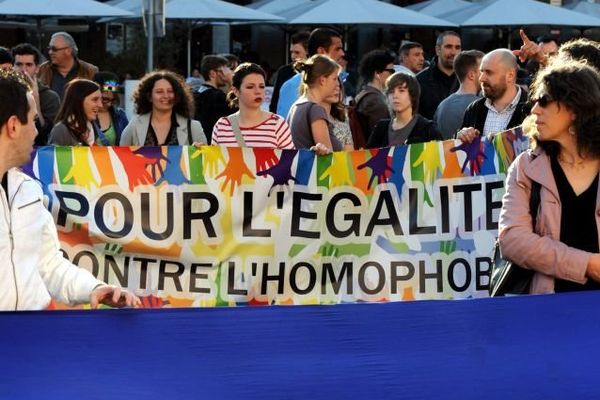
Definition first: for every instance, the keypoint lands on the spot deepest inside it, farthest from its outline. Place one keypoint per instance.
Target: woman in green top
(111, 118)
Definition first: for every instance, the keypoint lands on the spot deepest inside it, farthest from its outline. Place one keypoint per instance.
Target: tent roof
(349, 12)
(60, 8)
(435, 8)
(518, 13)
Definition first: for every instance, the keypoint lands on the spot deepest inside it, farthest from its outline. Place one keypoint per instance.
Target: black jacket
(476, 113)
(283, 74)
(435, 87)
(210, 105)
(424, 131)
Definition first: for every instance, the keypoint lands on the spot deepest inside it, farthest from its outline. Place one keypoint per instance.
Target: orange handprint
(234, 171)
(135, 165)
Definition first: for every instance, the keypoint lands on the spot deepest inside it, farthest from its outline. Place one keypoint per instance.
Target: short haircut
(242, 71)
(300, 38)
(232, 60)
(575, 85)
(373, 62)
(321, 37)
(183, 103)
(441, 36)
(582, 49)
(5, 56)
(13, 96)
(68, 40)
(407, 46)
(465, 61)
(547, 39)
(210, 63)
(402, 79)
(25, 49)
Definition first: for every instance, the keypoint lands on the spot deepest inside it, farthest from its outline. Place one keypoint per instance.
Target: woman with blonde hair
(310, 116)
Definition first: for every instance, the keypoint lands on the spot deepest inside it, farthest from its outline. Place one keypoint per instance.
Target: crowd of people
(460, 94)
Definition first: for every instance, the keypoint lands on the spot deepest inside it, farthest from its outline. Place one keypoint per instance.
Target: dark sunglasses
(543, 100)
(390, 70)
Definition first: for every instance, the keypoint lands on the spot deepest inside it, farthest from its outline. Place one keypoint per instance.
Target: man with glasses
(27, 61)
(210, 101)
(64, 66)
(504, 104)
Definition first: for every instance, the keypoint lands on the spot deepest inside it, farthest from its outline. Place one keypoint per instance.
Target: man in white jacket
(32, 268)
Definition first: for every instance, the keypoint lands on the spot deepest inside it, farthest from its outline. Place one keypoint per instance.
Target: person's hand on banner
(113, 296)
(338, 172)
(81, 170)
(467, 135)
(235, 170)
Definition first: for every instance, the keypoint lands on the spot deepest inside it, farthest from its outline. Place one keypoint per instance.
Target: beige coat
(541, 251)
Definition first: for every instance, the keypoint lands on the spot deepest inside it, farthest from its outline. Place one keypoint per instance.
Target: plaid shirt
(497, 121)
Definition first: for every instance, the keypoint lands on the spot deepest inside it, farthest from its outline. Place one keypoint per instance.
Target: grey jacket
(137, 129)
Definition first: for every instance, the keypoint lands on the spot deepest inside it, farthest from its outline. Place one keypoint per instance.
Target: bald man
(503, 105)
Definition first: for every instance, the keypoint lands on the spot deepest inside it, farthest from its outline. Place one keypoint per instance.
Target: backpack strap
(235, 127)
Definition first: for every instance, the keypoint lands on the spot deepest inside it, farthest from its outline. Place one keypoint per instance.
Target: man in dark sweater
(210, 101)
(504, 104)
(298, 51)
(438, 80)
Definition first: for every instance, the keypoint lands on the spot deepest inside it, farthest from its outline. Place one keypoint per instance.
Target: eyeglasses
(106, 100)
(543, 100)
(390, 70)
(54, 49)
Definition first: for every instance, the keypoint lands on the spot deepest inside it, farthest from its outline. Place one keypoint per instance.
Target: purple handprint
(282, 171)
(380, 166)
(475, 155)
(155, 153)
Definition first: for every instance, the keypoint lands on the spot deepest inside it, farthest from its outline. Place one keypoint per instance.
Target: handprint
(475, 156)
(282, 171)
(265, 158)
(430, 160)
(211, 155)
(104, 165)
(155, 153)
(135, 165)
(81, 170)
(338, 172)
(452, 168)
(234, 171)
(152, 301)
(173, 174)
(379, 165)
(447, 247)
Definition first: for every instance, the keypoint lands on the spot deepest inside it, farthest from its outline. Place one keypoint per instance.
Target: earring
(572, 130)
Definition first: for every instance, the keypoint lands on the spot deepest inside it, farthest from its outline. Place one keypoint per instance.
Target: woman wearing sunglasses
(111, 118)
(563, 246)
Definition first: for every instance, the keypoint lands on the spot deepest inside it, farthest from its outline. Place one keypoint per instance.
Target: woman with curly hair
(164, 108)
(76, 114)
(563, 165)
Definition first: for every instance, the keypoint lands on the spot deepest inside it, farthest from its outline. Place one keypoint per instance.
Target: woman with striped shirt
(251, 126)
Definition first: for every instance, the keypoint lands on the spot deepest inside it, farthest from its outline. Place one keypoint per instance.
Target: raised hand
(81, 170)
(530, 50)
(338, 172)
(234, 171)
(379, 165)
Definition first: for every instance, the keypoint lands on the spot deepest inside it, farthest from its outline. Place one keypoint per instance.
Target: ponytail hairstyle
(242, 71)
(314, 68)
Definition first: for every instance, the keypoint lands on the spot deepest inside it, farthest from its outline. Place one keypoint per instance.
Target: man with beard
(438, 80)
(503, 105)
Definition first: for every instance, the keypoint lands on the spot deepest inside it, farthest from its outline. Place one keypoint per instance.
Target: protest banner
(219, 226)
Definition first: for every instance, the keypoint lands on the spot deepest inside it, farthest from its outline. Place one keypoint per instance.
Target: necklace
(575, 164)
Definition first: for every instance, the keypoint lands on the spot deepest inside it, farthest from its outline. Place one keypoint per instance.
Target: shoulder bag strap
(235, 127)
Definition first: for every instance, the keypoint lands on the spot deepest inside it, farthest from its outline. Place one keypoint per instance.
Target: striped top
(272, 133)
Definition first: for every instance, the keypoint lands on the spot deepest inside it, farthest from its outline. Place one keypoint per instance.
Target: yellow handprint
(338, 172)
(81, 169)
(431, 160)
(211, 157)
